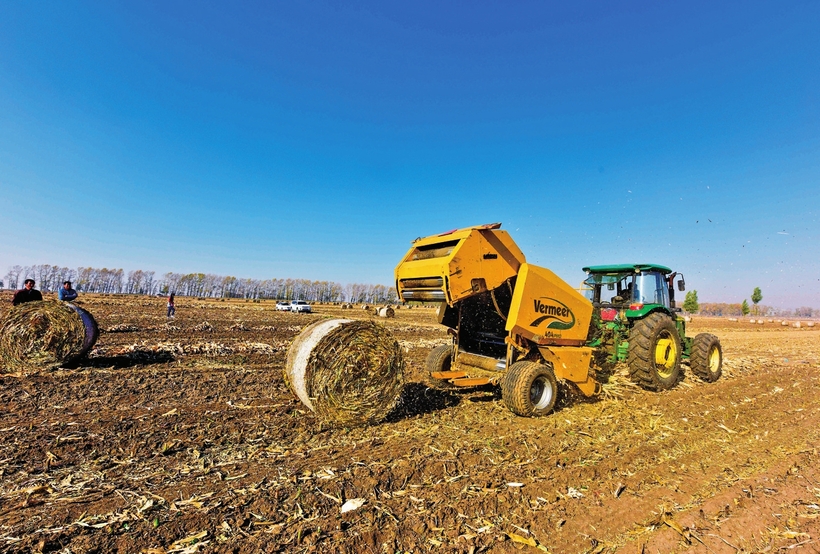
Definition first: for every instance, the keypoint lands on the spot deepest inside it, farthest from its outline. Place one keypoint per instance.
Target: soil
(181, 436)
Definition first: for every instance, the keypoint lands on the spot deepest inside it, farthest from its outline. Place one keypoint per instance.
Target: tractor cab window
(651, 288)
(611, 289)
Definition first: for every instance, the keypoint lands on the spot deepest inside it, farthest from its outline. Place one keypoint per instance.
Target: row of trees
(691, 305)
(89, 279)
(743, 308)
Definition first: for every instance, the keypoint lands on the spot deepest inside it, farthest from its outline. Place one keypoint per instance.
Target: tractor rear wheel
(530, 389)
(654, 352)
(439, 359)
(706, 359)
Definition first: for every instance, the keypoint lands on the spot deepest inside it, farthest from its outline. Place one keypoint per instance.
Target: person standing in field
(26, 294)
(171, 308)
(67, 294)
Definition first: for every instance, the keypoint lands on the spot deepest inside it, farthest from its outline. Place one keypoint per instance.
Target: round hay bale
(44, 335)
(386, 312)
(365, 307)
(347, 372)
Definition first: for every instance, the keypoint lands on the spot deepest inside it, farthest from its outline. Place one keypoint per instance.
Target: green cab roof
(627, 268)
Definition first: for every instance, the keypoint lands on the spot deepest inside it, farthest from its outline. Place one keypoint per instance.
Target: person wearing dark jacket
(27, 294)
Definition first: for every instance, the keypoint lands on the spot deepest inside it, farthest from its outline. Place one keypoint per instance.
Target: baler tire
(651, 338)
(439, 359)
(530, 389)
(706, 358)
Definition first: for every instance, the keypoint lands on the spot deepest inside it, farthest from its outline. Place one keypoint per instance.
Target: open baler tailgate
(454, 265)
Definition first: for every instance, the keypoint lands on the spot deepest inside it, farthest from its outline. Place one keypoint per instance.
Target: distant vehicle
(283, 306)
(300, 306)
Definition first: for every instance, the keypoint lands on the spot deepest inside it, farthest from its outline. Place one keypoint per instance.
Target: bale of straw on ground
(387, 311)
(347, 372)
(44, 335)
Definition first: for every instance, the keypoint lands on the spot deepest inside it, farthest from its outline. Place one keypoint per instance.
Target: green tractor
(635, 320)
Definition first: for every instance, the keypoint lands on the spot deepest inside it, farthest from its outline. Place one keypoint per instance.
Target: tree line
(205, 285)
(693, 306)
(738, 309)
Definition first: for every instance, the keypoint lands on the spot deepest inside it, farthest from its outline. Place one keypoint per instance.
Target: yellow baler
(513, 323)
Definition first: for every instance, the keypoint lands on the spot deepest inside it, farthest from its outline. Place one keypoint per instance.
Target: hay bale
(347, 372)
(387, 311)
(365, 307)
(43, 335)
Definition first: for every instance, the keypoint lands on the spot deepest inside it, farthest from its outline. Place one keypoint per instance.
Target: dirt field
(183, 437)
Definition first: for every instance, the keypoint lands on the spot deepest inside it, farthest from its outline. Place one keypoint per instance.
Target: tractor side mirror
(681, 285)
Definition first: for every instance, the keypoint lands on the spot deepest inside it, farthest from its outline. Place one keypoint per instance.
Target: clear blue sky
(315, 140)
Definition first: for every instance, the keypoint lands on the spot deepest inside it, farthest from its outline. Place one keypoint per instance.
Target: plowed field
(181, 436)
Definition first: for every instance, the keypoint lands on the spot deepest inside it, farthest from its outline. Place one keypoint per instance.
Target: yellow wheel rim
(714, 360)
(666, 355)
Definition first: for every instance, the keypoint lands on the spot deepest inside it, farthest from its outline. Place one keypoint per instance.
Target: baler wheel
(706, 359)
(530, 389)
(654, 352)
(439, 360)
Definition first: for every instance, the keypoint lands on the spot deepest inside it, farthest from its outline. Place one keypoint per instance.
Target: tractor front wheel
(706, 359)
(439, 359)
(530, 389)
(654, 352)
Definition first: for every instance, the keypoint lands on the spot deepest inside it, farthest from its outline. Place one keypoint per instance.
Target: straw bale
(44, 335)
(386, 312)
(347, 372)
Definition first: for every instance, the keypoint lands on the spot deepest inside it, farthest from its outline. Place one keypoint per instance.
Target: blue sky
(315, 140)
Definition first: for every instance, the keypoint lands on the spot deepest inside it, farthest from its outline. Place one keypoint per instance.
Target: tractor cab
(636, 288)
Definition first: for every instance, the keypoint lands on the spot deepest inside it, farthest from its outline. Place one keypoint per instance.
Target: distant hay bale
(347, 372)
(43, 335)
(365, 307)
(387, 311)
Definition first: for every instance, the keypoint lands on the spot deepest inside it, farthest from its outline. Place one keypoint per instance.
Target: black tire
(706, 358)
(439, 359)
(654, 352)
(530, 389)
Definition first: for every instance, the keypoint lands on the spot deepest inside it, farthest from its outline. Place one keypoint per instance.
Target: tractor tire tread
(641, 353)
(699, 358)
